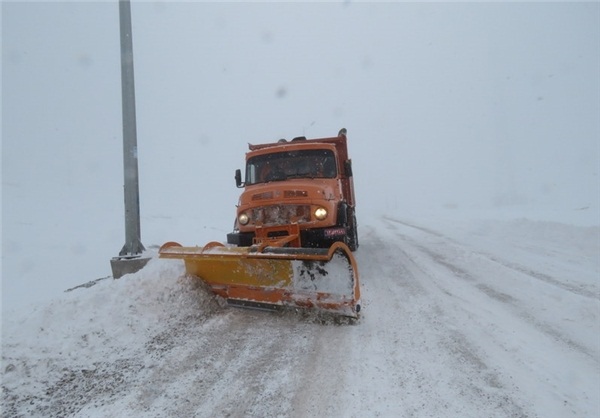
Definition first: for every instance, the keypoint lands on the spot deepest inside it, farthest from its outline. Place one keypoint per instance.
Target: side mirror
(238, 178)
(348, 168)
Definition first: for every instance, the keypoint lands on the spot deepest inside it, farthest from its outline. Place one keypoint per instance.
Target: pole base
(127, 265)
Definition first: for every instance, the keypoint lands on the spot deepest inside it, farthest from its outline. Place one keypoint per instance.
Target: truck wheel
(352, 237)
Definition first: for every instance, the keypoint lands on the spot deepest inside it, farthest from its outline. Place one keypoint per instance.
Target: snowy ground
(469, 319)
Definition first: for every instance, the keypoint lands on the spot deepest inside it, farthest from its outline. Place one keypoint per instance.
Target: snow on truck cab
(306, 183)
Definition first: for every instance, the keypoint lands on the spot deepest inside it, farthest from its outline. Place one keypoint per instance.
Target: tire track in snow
(241, 363)
(430, 356)
(494, 294)
(508, 264)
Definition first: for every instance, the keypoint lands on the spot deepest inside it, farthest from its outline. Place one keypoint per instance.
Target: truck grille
(281, 214)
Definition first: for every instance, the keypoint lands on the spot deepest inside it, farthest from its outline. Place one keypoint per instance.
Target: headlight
(243, 219)
(320, 213)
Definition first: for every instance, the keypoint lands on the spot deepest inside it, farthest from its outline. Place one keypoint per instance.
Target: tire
(352, 237)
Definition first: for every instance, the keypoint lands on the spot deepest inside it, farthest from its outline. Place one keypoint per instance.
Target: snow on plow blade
(270, 277)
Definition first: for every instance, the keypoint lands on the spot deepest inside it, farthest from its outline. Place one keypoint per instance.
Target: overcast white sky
(449, 106)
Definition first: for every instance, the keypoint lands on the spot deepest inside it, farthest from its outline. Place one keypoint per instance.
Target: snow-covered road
(469, 319)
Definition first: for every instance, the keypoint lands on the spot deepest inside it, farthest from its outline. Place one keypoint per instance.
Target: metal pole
(133, 244)
(129, 260)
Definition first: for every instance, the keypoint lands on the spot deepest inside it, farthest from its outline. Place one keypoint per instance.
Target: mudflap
(325, 280)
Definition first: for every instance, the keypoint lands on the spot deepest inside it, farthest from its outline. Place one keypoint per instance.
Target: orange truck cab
(305, 183)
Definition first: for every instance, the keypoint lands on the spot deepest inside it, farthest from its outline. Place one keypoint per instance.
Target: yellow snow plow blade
(266, 276)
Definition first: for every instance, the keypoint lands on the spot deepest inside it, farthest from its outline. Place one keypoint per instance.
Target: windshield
(292, 164)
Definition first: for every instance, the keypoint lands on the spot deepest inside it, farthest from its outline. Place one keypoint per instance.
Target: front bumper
(311, 238)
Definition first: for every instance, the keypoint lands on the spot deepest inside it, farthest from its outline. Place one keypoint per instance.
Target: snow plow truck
(294, 231)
